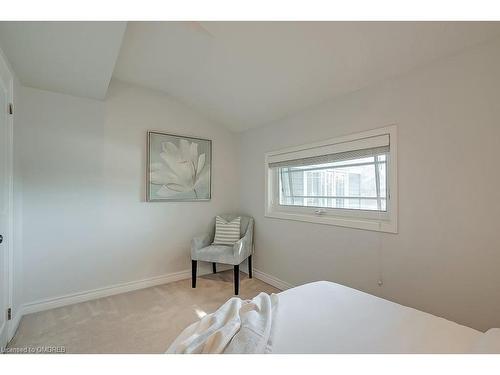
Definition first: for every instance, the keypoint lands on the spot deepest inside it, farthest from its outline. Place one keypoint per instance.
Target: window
(348, 181)
(355, 184)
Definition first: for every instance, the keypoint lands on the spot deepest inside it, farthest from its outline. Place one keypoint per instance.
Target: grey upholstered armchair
(203, 250)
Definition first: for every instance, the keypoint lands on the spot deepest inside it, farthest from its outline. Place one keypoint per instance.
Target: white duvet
(324, 317)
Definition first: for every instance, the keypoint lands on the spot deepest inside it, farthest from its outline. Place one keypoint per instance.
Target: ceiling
(247, 74)
(75, 58)
(241, 74)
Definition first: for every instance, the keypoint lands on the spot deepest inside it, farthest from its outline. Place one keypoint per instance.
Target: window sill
(349, 222)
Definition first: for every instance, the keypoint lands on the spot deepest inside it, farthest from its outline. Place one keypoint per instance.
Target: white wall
(80, 189)
(446, 257)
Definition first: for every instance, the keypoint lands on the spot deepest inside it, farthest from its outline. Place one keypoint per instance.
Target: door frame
(7, 82)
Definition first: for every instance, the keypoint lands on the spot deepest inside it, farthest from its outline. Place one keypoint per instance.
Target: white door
(5, 180)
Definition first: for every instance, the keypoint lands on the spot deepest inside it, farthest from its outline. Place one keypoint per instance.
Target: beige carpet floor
(143, 321)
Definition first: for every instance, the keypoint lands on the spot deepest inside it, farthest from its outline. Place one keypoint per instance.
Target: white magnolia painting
(179, 167)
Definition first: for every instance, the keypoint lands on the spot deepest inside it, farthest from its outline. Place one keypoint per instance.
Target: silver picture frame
(161, 154)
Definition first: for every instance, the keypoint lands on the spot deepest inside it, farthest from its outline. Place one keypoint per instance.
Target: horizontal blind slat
(330, 158)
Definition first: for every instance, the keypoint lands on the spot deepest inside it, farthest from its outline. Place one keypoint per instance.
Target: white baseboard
(271, 280)
(70, 299)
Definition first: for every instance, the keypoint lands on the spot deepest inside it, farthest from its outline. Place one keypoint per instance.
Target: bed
(325, 317)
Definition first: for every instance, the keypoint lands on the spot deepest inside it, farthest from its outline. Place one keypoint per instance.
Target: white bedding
(238, 326)
(325, 317)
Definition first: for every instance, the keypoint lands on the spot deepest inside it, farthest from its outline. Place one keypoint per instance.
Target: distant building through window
(358, 184)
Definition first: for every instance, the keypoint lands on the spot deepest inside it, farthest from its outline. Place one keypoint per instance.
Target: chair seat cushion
(215, 253)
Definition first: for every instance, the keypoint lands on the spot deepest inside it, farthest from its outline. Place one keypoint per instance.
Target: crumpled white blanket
(238, 326)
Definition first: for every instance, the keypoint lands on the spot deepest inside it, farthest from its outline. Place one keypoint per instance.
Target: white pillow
(488, 342)
(226, 233)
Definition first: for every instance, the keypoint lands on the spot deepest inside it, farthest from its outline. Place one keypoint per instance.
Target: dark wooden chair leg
(250, 267)
(236, 279)
(193, 272)
(214, 268)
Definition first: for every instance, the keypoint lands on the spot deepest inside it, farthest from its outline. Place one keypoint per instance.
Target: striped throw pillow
(226, 233)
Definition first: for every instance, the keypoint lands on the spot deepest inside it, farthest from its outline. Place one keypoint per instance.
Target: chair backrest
(244, 222)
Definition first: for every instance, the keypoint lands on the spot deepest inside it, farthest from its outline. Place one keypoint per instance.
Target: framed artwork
(178, 168)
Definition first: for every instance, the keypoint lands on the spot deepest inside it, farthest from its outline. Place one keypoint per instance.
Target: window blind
(332, 153)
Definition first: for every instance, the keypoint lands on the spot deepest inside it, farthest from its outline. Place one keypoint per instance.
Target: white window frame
(360, 219)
